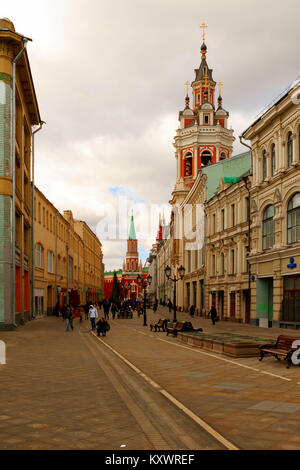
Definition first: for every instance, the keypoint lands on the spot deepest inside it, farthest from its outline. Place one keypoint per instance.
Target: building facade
(275, 213)
(17, 119)
(68, 259)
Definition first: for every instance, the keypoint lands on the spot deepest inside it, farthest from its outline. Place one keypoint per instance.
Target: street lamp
(144, 284)
(181, 272)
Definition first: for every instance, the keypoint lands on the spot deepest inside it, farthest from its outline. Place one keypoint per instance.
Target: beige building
(164, 259)
(228, 280)
(68, 259)
(275, 213)
(212, 241)
(19, 114)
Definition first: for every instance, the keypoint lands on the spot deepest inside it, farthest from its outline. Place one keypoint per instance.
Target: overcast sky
(109, 78)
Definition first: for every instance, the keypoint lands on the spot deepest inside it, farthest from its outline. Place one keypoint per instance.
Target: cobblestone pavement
(51, 396)
(65, 390)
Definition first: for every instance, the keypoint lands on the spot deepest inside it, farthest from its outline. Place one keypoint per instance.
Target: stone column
(238, 313)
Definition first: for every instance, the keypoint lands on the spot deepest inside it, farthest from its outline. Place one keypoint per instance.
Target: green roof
(145, 270)
(132, 235)
(231, 180)
(230, 169)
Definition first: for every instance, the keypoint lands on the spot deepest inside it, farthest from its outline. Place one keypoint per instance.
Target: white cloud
(109, 78)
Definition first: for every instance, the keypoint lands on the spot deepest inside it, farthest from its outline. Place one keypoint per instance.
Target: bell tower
(203, 137)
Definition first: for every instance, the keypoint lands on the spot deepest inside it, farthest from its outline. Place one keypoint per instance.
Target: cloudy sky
(109, 77)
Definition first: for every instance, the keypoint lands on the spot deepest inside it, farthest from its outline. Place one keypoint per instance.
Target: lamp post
(181, 272)
(144, 284)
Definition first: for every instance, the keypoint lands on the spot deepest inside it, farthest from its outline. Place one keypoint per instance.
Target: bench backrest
(160, 322)
(285, 342)
(179, 325)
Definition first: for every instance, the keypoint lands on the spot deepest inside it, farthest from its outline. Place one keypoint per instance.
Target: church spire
(132, 235)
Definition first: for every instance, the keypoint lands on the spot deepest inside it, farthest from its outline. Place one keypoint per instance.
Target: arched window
(290, 149)
(205, 158)
(188, 164)
(223, 156)
(293, 221)
(273, 160)
(268, 227)
(38, 255)
(265, 165)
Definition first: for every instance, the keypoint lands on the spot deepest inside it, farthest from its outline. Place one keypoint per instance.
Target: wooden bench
(160, 325)
(181, 326)
(282, 349)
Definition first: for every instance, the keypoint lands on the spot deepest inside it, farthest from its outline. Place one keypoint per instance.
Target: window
(205, 158)
(294, 219)
(265, 165)
(222, 219)
(232, 215)
(50, 259)
(290, 149)
(38, 255)
(232, 259)
(39, 212)
(188, 164)
(273, 160)
(214, 223)
(268, 227)
(206, 119)
(223, 156)
(213, 265)
(222, 264)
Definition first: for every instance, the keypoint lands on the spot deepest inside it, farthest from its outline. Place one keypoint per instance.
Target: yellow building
(275, 213)
(68, 259)
(18, 114)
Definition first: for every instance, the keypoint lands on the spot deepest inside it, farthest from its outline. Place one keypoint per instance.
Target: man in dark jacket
(106, 307)
(192, 311)
(213, 314)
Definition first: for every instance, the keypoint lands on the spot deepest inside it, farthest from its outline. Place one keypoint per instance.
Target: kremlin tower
(132, 268)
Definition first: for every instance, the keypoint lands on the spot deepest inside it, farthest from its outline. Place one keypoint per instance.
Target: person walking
(69, 318)
(155, 305)
(93, 315)
(192, 311)
(86, 311)
(113, 310)
(63, 312)
(102, 327)
(213, 314)
(170, 305)
(106, 306)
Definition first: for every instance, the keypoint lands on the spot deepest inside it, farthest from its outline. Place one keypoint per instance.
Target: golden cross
(220, 88)
(187, 88)
(203, 26)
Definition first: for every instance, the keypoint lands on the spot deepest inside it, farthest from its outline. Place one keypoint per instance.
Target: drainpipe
(249, 147)
(32, 221)
(13, 144)
(246, 180)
